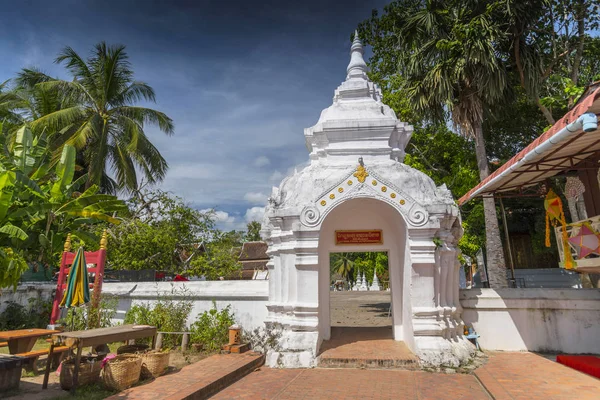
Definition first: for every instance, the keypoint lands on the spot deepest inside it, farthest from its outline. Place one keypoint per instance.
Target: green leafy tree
(370, 263)
(160, 231)
(253, 231)
(221, 259)
(99, 118)
(445, 52)
(549, 43)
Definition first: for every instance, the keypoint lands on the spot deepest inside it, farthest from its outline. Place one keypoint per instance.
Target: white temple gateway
(357, 195)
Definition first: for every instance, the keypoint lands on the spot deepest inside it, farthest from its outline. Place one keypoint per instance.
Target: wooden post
(47, 373)
(76, 370)
(153, 342)
(185, 341)
(159, 338)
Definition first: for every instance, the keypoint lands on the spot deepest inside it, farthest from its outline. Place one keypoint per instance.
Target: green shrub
(14, 317)
(211, 327)
(36, 315)
(168, 314)
(78, 317)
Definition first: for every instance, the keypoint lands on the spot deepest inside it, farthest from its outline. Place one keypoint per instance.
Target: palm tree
(342, 264)
(98, 117)
(9, 101)
(449, 61)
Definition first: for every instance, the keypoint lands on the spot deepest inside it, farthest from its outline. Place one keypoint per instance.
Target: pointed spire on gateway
(357, 67)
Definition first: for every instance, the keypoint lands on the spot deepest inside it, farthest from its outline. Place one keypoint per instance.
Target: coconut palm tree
(448, 57)
(342, 264)
(98, 116)
(8, 103)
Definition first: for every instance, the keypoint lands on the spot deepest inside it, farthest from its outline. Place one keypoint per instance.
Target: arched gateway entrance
(367, 214)
(356, 181)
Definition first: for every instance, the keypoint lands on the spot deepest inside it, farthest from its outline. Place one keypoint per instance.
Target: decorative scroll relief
(362, 183)
(310, 216)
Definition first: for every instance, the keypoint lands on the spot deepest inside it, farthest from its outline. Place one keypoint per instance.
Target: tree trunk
(496, 266)
(580, 11)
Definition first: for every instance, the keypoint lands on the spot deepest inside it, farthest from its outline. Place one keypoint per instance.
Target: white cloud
(220, 217)
(255, 198)
(262, 161)
(254, 214)
(276, 177)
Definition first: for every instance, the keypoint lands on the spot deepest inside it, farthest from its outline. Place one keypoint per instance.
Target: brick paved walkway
(352, 384)
(512, 376)
(530, 376)
(198, 380)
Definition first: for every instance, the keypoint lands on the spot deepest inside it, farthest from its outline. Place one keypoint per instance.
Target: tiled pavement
(513, 376)
(530, 376)
(352, 384)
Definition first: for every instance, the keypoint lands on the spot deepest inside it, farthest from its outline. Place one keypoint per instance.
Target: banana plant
(41, 202)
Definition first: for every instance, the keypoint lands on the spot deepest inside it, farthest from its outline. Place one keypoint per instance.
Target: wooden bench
(3, 344)
(35, 354)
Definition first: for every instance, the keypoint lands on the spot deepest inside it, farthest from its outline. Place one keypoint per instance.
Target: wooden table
(95, 337)
(23, 340)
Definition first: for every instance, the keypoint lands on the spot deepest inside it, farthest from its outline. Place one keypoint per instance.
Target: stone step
(365, 347)
(410, 364)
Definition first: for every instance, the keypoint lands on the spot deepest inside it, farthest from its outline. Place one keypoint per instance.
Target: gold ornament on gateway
(332, 196)
(349, 183)
(361, 174)
(402, 202)
(384, 189)
(340, 190)
(323, 202)
(393, 195)
(374, 182)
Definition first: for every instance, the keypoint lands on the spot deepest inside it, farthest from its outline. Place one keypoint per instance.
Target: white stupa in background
(375, 284)
(363, 283)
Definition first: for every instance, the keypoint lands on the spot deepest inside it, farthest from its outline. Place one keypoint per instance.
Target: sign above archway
(359, 237)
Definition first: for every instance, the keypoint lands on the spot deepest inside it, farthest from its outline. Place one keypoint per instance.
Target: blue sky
(241, 79)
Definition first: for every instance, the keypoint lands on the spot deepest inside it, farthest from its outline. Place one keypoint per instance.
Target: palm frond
(144, 115)
(59, 119)
(133, 93)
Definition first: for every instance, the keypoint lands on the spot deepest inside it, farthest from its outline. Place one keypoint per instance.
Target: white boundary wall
(248, 299)
(554, 320)
(546, 320)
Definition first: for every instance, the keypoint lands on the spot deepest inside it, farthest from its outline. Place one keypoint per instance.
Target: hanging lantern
(554, 216)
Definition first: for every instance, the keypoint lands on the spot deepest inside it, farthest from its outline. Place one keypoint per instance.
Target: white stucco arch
(356, 150)
(365, 213)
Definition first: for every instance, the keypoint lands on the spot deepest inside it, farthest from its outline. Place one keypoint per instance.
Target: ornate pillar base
(435, 351)
(296, 349)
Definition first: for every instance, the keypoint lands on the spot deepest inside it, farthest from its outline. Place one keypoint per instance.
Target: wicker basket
(132, 348)
(88, 373)
(154, 363)
(122, 371)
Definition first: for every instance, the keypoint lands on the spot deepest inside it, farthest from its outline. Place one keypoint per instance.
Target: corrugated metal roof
(561, 157)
